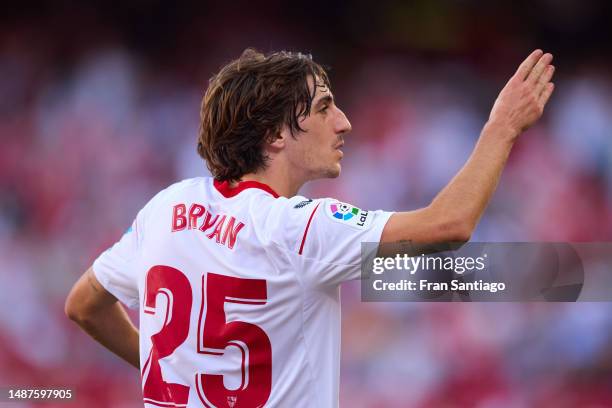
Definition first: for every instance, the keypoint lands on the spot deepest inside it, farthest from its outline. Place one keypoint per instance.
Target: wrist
(500, 131)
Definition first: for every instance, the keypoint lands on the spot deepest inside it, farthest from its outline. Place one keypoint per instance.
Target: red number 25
(215, 335)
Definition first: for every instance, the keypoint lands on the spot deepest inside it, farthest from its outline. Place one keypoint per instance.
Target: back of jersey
(238, 296)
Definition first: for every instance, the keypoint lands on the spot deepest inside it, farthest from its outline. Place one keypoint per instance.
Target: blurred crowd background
(99, 106)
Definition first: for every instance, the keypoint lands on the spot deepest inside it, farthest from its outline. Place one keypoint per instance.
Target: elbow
(82, 319)
(457, 231)
(450, 226)
(87, 302)
(71, 310)
(428, 225)
(75, 311)
(464, 232)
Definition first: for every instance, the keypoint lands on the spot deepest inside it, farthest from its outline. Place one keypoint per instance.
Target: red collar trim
(228, 191)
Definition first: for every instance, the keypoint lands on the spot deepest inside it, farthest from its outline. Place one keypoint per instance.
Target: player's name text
(222, 228)
(425, 285)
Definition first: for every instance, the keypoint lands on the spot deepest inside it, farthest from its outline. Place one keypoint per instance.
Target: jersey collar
(228, 191)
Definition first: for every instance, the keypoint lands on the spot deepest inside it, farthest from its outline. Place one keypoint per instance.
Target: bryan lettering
(224, 228)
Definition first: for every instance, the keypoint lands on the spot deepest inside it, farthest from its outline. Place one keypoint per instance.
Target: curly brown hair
(247, 103)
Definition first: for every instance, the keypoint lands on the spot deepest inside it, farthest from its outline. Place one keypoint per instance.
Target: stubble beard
(333, 171)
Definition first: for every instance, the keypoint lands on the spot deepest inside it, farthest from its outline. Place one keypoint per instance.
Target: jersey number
(215, 335)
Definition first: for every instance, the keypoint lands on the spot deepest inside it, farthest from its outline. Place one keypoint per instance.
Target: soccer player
(236, 276)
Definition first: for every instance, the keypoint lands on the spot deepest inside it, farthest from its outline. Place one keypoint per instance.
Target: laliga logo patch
(343, 211)
(347, 214)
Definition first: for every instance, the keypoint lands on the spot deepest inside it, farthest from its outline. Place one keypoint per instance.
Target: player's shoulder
(342, 213)
(282, 220)
(289, 221)
(302, 208)
(294, 208)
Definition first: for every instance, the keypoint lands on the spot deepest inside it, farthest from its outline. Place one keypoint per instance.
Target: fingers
(539, 68)
(548, 90)
(526, 66)
(544, 79)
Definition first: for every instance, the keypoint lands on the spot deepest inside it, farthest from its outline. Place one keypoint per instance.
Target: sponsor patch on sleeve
(348, 214)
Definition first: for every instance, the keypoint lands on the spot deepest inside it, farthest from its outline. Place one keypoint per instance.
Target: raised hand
(521, 103)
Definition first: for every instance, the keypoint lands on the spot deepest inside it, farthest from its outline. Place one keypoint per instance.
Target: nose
(343, 125)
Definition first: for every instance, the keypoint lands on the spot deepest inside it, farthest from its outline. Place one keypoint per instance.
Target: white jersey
(238, 291)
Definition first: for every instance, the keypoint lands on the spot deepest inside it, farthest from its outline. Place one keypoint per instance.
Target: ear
(278, 140)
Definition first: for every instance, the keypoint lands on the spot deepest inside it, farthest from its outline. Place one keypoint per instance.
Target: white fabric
(298, 246)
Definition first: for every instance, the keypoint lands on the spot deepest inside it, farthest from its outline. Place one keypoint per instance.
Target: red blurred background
(99, 107)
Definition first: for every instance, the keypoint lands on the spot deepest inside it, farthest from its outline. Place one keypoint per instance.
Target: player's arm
(99, 314)
(455, 211)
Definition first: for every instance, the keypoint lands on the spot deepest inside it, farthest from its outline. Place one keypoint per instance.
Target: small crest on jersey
(348, 214)
(303, 204)
(231, 401)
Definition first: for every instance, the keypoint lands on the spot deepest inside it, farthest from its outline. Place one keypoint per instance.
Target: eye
(324, 108)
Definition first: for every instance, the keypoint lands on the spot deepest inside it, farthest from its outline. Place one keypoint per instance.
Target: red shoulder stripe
(307, 227)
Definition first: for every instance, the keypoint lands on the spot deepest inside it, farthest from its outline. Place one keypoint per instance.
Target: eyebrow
(323, 100)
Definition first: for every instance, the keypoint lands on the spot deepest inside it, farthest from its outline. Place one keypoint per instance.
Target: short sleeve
(327, 236)
(115, 268)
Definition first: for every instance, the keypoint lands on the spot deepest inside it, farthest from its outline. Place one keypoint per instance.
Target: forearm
(455, 211)
(467, 195)
(113, 328)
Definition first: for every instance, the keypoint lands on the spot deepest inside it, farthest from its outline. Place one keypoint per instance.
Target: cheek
(304, 154)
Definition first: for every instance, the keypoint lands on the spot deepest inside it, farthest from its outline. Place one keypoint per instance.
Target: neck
(279, 178)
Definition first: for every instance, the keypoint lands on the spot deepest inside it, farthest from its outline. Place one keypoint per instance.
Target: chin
(334, 171)
(327, 172)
